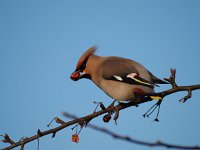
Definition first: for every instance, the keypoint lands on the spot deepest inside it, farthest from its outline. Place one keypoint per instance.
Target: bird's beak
(76, 75)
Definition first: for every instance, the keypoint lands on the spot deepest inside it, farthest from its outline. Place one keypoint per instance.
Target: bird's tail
(157, 80)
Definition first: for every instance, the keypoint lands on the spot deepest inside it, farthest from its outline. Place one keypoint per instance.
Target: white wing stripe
(133, 75)
(118, 78)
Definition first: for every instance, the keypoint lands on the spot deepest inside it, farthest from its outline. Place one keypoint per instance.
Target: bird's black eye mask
(82, 67)
(86, 76)
(80, 70)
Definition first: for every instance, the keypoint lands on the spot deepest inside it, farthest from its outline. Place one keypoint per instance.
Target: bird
(120, 78)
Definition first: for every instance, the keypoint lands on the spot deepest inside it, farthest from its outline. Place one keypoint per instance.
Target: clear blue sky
(40, 42)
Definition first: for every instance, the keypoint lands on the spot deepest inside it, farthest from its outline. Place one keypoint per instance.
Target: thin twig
(88, 118)
(133, 140)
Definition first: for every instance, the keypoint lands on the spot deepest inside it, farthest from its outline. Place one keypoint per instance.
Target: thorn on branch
(53, 135)
(188, 96)
(172, 78)
(39, 132)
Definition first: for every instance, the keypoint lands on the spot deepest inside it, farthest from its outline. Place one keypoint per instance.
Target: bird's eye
(83, 66)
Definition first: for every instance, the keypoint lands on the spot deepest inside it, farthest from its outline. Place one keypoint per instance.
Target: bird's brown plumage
(112, 75)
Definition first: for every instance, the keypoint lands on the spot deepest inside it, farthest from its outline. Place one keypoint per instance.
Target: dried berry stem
(119, 107)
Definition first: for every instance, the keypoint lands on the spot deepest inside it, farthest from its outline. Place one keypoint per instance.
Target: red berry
(75, 138)
(107, 118)
(75, 76)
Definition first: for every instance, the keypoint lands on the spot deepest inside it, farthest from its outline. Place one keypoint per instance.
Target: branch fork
(188, 96)
(83, 121)
(172, 78)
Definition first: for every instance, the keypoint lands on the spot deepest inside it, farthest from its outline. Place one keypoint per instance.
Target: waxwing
(120, 78)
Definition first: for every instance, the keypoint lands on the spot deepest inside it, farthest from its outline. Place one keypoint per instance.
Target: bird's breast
(122, 91)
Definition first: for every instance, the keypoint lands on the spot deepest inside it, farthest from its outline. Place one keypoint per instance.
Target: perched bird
(120, 78)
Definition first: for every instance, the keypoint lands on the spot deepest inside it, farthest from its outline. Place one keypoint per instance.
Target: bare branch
(188, 96)
(172, 78)
(84, 120)
(133, 140)
(7, 139)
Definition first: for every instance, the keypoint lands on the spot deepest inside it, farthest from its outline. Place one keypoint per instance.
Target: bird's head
(81, 70)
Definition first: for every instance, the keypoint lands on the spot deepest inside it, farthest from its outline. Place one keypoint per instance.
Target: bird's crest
(85, 56)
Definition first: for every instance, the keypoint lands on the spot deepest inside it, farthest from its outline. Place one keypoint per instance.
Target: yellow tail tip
(156, 97)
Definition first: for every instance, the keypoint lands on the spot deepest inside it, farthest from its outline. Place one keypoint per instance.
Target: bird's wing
(157, 80)
(122, 71)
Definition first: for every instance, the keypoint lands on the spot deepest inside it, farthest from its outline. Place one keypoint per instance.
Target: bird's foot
(152, 109)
